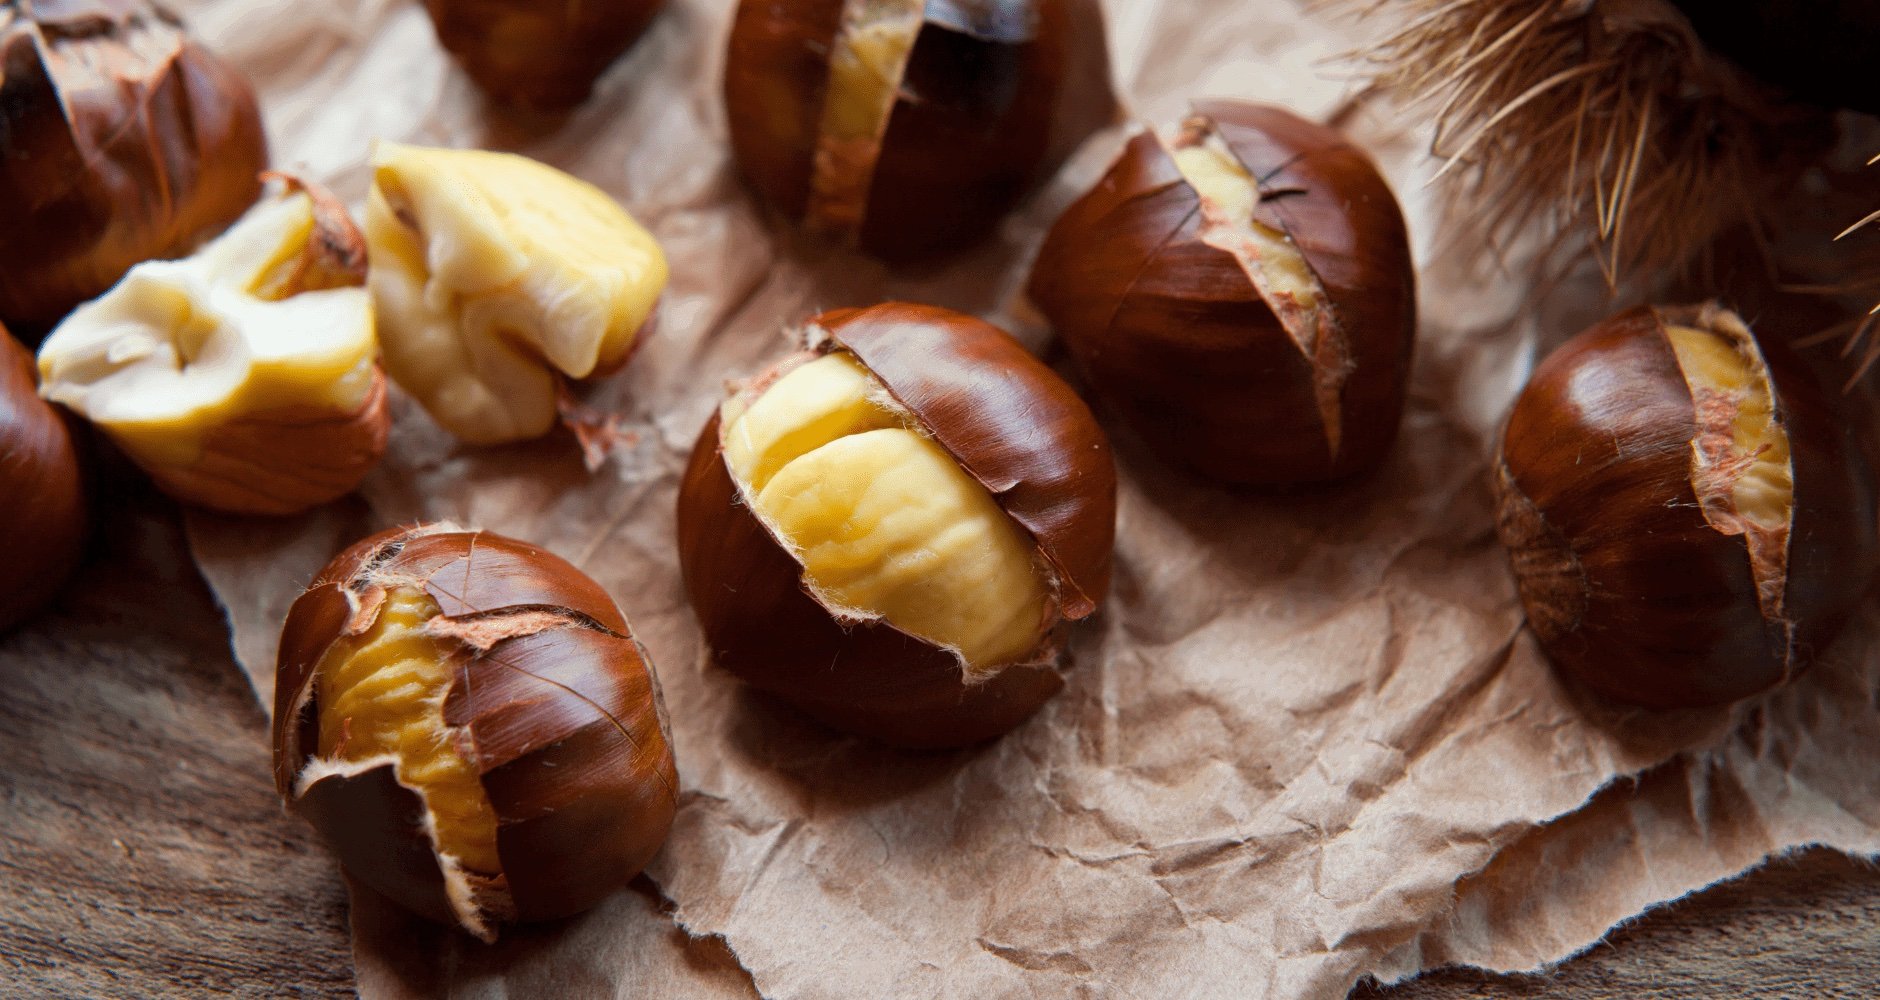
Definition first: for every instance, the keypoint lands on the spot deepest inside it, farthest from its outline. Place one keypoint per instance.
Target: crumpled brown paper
(1307, 739)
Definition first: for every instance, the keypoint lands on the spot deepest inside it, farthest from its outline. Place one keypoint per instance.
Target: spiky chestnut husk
(990, 95)
(1174, 332)
(1013, 426)
(1640, 575)
(551, 701)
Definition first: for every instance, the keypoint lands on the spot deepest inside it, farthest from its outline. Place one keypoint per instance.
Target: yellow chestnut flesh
(885, 522)
(865, 70)
(493, 276)
(381, 694)
(181, 348)
(1740, 467)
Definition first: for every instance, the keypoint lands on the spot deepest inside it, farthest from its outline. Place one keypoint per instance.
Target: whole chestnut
(242, 378)
(125, 140)
(1688, 518)
(891, 528)
(470, 726)
(542, 54)
(1242, 294)
(909, 127)
(41, 489)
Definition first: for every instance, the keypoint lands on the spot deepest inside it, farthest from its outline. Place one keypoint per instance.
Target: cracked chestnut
(125, 140)
(910, 127)
(1688, 517)
(470, 726)
(892, 528)
(1241, 294)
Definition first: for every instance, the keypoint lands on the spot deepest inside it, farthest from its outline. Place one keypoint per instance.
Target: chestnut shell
(1628, 588)
(543, 54)
(41, 489)
(566, 726)
(1012, 424)
(1173, 335)
(996, 92)
(114, 155)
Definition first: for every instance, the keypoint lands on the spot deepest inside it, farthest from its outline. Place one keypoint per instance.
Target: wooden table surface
(143, 853)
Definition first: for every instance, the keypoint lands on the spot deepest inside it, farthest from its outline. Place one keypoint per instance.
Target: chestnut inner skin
(1012, 424)
(1629, 588)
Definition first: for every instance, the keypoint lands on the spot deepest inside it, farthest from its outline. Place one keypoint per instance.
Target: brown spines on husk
(1603, 119)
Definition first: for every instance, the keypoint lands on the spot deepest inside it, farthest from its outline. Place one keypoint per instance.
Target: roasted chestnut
(910, 127)
(242, 378)
(890, 528)
(40, 489)
(495, 278)
(542, 54)
(469, 724)
(1688, 519)
(124, 140)
(1242, 295)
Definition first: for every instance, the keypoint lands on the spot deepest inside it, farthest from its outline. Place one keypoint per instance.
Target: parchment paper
(1298, 724)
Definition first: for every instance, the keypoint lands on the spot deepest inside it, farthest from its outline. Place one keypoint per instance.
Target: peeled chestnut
(1242, 294)
(242, 378)
(891, 528)
(495, 279)
(469, 724)
(40, 489)
(1688, 518)
(125, 139)
(910, 127)
(542, 54)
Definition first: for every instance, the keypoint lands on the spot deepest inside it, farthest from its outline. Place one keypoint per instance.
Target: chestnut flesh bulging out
(908, 127)
(1242, 294)
(891, 529)
(469, 724)
(1687, 517)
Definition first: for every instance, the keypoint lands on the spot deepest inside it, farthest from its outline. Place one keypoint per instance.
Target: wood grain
(143, 853)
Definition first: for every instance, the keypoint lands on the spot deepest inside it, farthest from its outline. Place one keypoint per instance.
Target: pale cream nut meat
(885, 522)
(494, 277)
(181, 349)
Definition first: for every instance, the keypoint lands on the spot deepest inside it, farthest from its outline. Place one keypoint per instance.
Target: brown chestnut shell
(1626, 584)
(1173, 335)
(1011, 423)
(543, 54)
(995, 93)
(41, 489)
(565, 728)
(126, 140)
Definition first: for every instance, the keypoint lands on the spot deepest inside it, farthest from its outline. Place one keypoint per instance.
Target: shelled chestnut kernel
(241, 378)
(1242, 294)
(535, 54)
(1688, 519)
(469, 724)
(909, 127)
(41, 490)
(125, 140)
(495, 278)
(891, 528)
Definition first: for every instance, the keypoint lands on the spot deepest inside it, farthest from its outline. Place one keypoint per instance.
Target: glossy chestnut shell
(1630, 589)
(994, 94)
(41, 489)
(1174, 336)
(543, 54)
(1013, 425)
(126, 140)
(561, 709)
